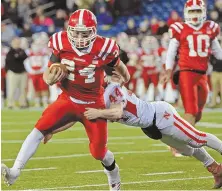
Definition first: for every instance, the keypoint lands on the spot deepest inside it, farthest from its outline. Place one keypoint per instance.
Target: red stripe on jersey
(106, 49)
(188, 134)
(189, 127)
(130, 107)
(57, 41)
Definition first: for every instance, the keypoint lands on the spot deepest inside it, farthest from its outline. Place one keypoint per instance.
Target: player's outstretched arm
(113, 113)
(170, 60)
(216, 49)
(123, 71)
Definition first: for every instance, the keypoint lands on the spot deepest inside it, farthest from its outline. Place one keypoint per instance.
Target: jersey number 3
(202, 48)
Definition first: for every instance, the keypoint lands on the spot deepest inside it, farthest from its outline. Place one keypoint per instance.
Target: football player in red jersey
(84, 54)
(133, 52)
(149, 63)
(162, 51)
(35, 65)
(194, 39)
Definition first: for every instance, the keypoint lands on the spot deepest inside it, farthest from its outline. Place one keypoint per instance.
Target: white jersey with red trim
(86, 67)
(136, 111)
(36, 63)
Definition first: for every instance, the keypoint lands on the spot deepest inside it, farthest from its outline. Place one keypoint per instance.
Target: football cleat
(7, 175)
(217, 173)
(113, 178)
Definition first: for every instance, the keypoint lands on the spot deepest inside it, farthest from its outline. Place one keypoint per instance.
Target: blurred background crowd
(139, 26)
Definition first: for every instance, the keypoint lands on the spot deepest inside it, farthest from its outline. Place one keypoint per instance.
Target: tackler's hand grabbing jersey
(136, 112)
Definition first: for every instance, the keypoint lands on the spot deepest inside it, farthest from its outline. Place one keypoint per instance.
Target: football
(57, 66)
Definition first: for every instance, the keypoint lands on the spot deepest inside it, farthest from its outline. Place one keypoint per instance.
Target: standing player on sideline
(84, 54)
(194, 40)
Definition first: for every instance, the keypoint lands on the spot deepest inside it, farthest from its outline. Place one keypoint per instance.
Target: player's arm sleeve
(55, 57)
(115, 101)
(216, 49)
(28, 68)
(45, 64)
(171, 53)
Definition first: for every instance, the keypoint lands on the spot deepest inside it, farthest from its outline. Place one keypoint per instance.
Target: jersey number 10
(200, 39)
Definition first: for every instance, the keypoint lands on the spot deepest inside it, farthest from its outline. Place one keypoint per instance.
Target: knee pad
(98, 151)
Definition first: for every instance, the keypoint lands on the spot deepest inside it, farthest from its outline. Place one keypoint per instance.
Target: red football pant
(64, 111)
(194, 90)
(150, 78)
(38, 83)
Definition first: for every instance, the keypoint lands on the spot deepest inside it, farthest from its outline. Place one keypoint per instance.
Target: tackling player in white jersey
(159, 120)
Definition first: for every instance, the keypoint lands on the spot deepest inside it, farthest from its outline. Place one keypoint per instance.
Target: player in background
(35, 65)
(159, 121)
(162, 51)
(77, 62)
(149, 62)
(194, 39)
(4, 51)
(133, 52)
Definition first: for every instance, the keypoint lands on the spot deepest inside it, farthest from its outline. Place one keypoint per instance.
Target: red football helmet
(82, 28)
(195, 12)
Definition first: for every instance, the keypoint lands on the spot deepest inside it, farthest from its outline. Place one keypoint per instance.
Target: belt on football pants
(176, 75)
(152, 131)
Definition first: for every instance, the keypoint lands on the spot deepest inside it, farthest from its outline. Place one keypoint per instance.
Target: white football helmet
(195, 12)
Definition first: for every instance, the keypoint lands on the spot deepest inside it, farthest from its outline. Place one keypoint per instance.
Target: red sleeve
(216, 30)
(112, 54)
(53, 44)
(175, 30)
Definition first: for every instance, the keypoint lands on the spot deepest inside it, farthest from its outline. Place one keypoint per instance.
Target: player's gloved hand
(55, 75)
(92, 113)
(165, 77)
(47, 138)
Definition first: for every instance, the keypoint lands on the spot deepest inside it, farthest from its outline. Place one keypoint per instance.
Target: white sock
(45, 100)
(202, 155)
(37, 100)
(28, 148)
(214, 143)
(108, 159)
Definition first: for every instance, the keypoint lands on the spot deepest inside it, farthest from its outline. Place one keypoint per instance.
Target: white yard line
(81, 139)
(87, 154)
(128, 183)
(39, 169)
(209, 125)
(90, 171)
(77, 128)
(163, 173)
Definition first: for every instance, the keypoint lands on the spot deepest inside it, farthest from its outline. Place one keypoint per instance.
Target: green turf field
(65, 163)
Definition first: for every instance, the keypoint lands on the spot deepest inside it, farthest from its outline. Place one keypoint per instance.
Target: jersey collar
(81, 53)
(194, 27)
